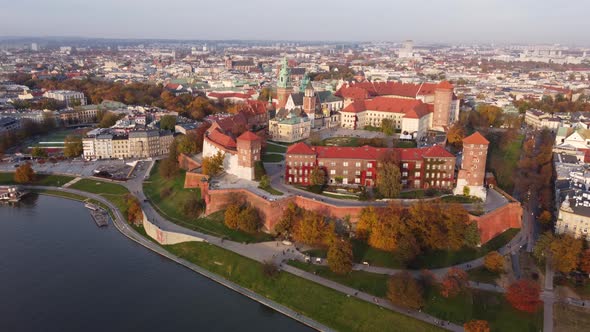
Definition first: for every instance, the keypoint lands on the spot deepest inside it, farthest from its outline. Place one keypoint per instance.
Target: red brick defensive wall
(489, 225)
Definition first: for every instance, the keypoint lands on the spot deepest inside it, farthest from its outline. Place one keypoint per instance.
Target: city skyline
(498, 21)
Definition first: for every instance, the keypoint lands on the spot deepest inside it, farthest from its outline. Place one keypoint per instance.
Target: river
(60, 272)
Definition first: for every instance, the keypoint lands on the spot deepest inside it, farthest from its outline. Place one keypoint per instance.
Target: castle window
(369, 165)
(332, 171)
(345, 164)
(368, 173)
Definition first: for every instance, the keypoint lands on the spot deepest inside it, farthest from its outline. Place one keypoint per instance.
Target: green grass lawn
(489, 306)
(272, 191)
(405, 144)
(372, 283)
(569, 318)
(42, 179)
(460, 199)
(482, 274)
(113, 192)
(171, 207)
(57, 137)
(364, 253)
(443, 258)
(341, 141)
(275, 148)
(320, 303)
(272, 158)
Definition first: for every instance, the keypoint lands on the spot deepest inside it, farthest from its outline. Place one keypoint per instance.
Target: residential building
(106, 144)
(9, 124)
(70, 98)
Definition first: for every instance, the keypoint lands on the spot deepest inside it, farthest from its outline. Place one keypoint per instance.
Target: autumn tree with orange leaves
(524, 295)
(476, 326)
(454, 282)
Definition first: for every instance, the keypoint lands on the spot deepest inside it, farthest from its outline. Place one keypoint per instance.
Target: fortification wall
(166, 237)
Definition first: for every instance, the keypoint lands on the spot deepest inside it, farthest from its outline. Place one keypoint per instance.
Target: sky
(518, 21)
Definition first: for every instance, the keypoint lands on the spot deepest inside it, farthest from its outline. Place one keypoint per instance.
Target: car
(16, 165)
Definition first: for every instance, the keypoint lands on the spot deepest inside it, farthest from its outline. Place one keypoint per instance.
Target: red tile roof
(229, 95)
(475, 138)
(248, 136)
(412, 108)
(445, 85)
(300, 148)
(373, 89)
(222, 139)
(368, 152)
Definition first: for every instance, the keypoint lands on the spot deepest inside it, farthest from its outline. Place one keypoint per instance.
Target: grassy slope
(504, 161)
(172, 206)
(310, 299)
(42, 179)
(113, 192)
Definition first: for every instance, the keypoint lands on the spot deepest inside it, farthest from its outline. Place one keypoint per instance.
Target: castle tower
(443, 97)
(248, 147)
(309, 99)
(473, 166)
(284, 85)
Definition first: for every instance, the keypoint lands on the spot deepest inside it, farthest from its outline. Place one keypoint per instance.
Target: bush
(165, 192)
(270, 269)
(405, 291)
(193, 207)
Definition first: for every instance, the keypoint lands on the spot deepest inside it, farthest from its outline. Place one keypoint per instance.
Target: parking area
(74, 167)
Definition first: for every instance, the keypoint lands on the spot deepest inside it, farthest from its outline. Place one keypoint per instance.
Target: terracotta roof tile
(475, 138)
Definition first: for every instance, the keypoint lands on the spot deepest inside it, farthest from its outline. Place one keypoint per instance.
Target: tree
(248, 219)
(193, 206)
(565, 253)
(312, 229)
(340, 256)
(73, 146)
(109, 119)
(38, 152)
(387, 127)
(24, 174)
(476, 326)
(405, 291)
(494, 262)
(213, 165)
(168, 122)
(291, 215)
(264, 182)
(545, 218)
(455, 135)
(389, 179)
(367, 220)
(134, 212)
(188, 144)
(270, 269)
(490, 115)
(585, 261)
(454, 282)
(524, 295)
(231, 216)
(317, 176)
(541, 249)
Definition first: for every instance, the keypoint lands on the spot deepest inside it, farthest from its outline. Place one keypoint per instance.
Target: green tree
(168, 122)
(193, 206)
(73, 146)
(249, 220)
(213, 165)
(38, 152)
(387, 127)
(542, 246)
(108, 120)
(264, 182)
(389, 180)
(317, 176)
(188, 144)
(340, 256)
(405, 291)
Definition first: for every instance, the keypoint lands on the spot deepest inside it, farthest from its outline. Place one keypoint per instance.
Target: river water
(60, 272)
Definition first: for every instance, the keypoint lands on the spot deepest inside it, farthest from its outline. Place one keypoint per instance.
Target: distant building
(9, 124)
(70, 98)
(539, 119)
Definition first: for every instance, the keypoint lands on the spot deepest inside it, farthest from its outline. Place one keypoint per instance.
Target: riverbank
(367, 316)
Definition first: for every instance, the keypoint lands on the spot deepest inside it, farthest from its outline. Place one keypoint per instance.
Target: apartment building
(105, 144)
(70, 98)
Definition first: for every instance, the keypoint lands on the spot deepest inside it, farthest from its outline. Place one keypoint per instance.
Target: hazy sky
(422, 20)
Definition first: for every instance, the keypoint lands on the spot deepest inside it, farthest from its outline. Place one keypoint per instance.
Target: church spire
(284, 75)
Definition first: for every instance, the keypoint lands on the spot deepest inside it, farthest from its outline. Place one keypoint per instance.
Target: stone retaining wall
(166, 237)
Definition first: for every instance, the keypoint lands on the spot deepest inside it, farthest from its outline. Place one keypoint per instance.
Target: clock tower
(473, 166)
